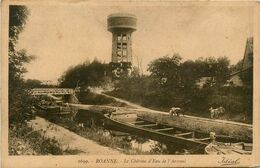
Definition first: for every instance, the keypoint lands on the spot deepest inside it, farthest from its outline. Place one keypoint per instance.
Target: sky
(61, 36)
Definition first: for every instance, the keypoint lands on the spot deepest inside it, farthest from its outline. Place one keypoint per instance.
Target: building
(247, 65)
(121, 25)
(248, 56)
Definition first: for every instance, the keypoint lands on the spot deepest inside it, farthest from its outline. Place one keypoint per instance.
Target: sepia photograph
(128, 78)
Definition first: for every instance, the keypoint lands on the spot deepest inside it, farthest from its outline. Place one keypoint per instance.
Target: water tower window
(119, 56)
(124, 37)
(119, 59)
(119, 37)
(124, 59)
(119, 52)
(124, 52)
(119, 46)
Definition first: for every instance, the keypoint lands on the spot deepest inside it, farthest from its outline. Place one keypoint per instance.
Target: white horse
(215, 113)
(175, 111)
(81, 125)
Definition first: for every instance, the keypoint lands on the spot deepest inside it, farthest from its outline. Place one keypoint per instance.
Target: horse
(215, 113)
(175, 111)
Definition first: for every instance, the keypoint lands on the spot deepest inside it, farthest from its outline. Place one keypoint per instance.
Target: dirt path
(125, 101)
(188, 116)
(69, 140)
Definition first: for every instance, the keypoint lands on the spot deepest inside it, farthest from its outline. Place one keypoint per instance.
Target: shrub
(21, 134)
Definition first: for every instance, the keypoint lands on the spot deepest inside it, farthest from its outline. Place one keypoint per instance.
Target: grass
(23, 140)
(241, 133)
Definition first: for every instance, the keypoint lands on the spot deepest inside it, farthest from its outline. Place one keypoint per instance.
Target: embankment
(239, 131)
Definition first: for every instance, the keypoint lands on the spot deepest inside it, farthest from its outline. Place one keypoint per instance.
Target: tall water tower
(121, 25)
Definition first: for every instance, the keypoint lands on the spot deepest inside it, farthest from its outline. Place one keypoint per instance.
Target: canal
(91, 125)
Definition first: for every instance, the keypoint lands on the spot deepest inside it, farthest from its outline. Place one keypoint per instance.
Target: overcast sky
(66, 35)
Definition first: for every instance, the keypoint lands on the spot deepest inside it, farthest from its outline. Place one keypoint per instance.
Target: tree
(222, 70)
(212, 67)
(18, 95)
(86, 74)
(33, 83)
(189, 73)
(166, 70)
(17, 20)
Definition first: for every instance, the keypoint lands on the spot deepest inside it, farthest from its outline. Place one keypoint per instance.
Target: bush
(23, 139)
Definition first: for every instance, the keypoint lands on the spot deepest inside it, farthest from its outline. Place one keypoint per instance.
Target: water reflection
(145, 145)
(135, 143)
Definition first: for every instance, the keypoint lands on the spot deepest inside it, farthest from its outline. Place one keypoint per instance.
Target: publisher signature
(229, 161)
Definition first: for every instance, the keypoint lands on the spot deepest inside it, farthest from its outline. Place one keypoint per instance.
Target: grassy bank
(23, 140)
(239, 132)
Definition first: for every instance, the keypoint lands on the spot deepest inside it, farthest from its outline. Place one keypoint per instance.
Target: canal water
(136, 143)
(146, 145)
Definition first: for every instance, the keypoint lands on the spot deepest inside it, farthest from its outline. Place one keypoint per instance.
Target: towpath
(163, 113)
(69, 140)
(138, 108)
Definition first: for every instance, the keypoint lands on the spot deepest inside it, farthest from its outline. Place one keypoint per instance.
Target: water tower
(121, 25)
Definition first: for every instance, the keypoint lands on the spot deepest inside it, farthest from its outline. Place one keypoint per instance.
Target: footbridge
(52, 91)
(67, 93)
